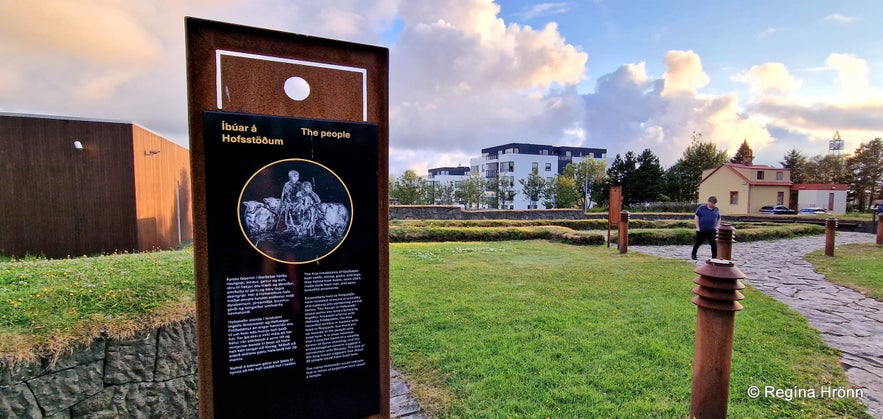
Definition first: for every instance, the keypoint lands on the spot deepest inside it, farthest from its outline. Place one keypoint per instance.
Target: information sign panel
(289, 143)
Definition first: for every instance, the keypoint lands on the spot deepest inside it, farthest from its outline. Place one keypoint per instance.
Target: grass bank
(856, 266)
(48, 305)
(539, 329)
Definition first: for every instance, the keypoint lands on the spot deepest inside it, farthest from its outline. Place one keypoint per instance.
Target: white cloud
(852, 74)
(631, 111)
(124, 59)
(545, 9)
(683, 74)
(838, 18)
(766, 33)
(857, 111)
(465, 80)
(769, 78)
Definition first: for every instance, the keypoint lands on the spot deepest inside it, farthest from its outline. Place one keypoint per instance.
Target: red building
(74, 186)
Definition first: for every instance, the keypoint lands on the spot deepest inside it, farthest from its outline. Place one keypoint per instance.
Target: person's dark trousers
(702, 236)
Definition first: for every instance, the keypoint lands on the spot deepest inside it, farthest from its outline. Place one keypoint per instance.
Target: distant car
(776, 209)
(812, 211)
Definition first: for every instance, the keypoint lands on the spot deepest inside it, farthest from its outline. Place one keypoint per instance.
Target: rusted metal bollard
(622, 241)
(716, 299)
(830, 228)
(880, 229)
(726, 235)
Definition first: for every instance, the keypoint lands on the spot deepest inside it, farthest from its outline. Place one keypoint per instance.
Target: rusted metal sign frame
(615, 204)
(352, 86)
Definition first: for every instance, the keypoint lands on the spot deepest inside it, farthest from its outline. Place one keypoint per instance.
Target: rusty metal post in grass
(622, 241)
(726, 235)
(830, 228)
(880, 229)
(716, 299)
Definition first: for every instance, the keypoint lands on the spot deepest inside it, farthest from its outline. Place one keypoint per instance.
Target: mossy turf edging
(48, 305)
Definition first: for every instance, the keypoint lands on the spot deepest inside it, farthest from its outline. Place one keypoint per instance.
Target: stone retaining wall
(152, 374)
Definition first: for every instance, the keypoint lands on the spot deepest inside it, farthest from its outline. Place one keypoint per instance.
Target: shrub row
(400, 234)
(677, 236)
(591, 224)
(668, 232)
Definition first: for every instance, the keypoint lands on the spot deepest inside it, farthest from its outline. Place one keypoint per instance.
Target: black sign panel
(293, 266)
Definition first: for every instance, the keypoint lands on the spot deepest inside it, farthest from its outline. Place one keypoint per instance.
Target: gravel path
(847, 320)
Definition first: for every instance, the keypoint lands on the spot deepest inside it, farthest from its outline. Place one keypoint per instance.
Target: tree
(744, 155)
(444, 193)
(796, 162)
(697, 157)
(532, 187)
(831, 168)
(409, 189)
(676, 183)
(561, 192)
(501, 191)
(471, 191)
(589, 176)
(621, 172)
(648, 178)
(867, 168)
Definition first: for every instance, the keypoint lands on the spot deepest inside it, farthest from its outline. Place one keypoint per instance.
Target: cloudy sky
(468, 74)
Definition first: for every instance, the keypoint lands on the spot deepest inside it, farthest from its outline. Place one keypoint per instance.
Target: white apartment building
(446, 175)
(515, 161)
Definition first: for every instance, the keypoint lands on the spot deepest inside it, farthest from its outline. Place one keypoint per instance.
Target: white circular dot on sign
(297, 88)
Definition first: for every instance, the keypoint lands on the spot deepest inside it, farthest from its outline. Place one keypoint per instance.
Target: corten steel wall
(162, 191)
(58, 201)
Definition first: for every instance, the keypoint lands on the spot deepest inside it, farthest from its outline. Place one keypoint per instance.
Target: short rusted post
(622, 242)
(830, 228)
(716, 299)
(880, 229)
(726, 235)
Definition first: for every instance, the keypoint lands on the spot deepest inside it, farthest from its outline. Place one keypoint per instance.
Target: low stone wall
(150, 375)
(453, 212)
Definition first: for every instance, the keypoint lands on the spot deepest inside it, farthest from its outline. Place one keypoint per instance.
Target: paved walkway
(847, 320)
(401, 402)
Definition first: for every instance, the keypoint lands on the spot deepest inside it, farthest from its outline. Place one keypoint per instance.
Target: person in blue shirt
(708, 219)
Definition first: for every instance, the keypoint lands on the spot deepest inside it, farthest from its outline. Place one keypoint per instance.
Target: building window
(548, 167)
(780, 198)
(780, 175)
(507, 166)
(534, 166)
(760, 175)
(544, 152)
(734, 198)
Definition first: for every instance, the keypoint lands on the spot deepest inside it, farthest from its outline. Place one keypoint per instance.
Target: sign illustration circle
(295, 211)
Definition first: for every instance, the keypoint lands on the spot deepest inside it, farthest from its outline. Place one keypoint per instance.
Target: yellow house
(742, 189)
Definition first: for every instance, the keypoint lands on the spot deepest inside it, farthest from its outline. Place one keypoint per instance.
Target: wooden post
(716, 299)
(622, 243)
(726, 236)
(880, 229)
(830, 228)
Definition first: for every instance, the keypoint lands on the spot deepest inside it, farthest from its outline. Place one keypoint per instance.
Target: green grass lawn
(49, 304)
(857, 266)
(500, 329)
(539, 329)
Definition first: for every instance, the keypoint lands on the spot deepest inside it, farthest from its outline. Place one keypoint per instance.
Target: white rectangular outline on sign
(362, 71)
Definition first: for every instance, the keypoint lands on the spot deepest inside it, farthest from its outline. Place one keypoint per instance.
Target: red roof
(819, 187)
